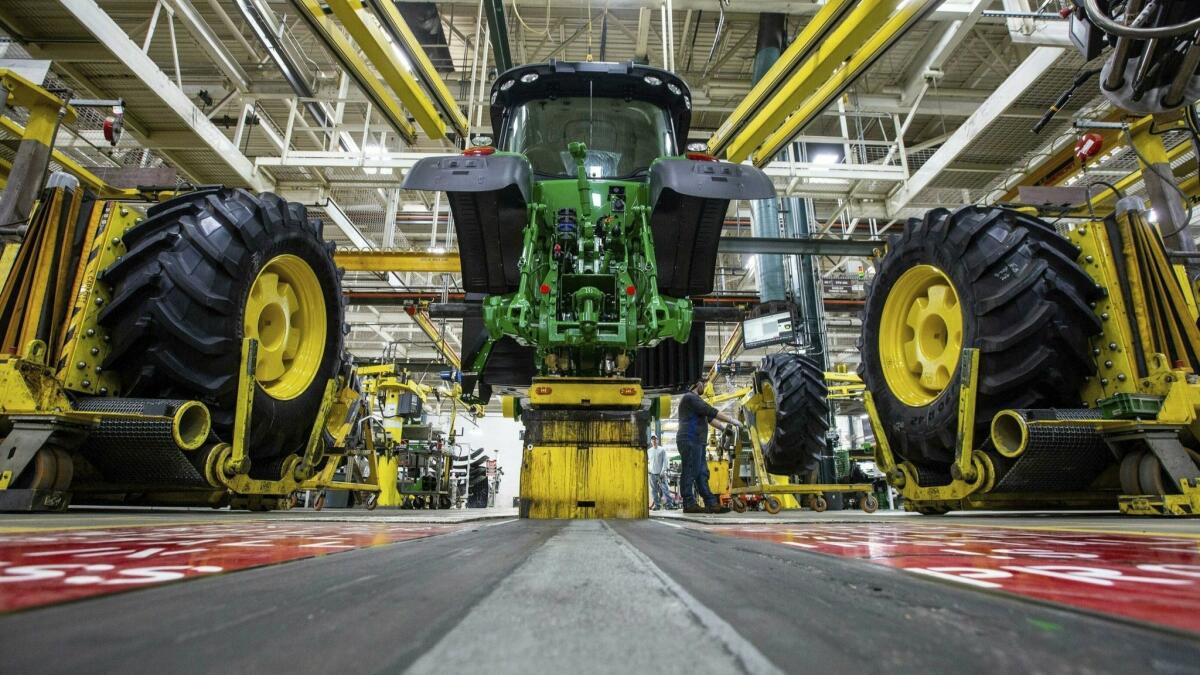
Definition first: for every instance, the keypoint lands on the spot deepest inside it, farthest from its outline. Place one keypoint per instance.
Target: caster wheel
(819, 504)
(66, 469)
(372, 501)
(869, 503)
(738, 504)
(319, 503)
(42, 471)
(772, 505)
(1129, 473)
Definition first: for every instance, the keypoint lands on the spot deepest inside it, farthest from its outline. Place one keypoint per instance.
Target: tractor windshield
(623, 137)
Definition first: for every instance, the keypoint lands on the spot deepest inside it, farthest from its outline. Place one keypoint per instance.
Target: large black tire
(1025, 305)
(801, 413)
(179, 298)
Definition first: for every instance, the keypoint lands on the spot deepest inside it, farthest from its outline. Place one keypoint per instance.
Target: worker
(657, 466)
(695, 415)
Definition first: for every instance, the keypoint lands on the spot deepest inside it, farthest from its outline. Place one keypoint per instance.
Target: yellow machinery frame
(228, 464)
(1155, 399)
(34, 400)
(387, 378)
(727, 473)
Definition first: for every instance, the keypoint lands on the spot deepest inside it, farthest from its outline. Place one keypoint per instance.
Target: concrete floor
(467, 591)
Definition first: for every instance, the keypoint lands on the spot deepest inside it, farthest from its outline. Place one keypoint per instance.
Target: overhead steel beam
(213, 46)
(113, 38)
(1021, 79)
(380, 97)
(946, 41)
(403, 36)
(798, 246)
(382, 51)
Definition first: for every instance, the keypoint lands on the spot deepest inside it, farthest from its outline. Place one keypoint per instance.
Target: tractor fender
(689, 199)
(489, 196)
(720, 181)
(462, 173)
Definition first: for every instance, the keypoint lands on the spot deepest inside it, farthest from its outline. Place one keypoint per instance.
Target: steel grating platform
(425, 592)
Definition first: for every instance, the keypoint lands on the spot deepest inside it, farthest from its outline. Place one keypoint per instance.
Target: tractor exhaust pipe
(1016, 432)
(148, 423)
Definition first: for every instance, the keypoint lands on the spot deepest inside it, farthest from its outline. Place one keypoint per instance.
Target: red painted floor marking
(1151, 578)
(42, 568)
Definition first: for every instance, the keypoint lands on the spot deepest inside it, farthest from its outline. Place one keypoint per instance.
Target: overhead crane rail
(353, 64)
(837, 46)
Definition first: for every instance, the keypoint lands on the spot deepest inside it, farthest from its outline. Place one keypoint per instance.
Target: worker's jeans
(695, 475)
(661, 490)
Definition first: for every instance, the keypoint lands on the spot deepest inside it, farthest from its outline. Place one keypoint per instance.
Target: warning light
(630, 290)
(545, 289)
(479, 151)
(700, 157)
(1088, 146)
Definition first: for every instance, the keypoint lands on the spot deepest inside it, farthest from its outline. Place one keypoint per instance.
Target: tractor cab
(584, 234)
(626, 115)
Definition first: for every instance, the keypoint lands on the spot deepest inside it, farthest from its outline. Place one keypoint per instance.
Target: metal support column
(765, 212)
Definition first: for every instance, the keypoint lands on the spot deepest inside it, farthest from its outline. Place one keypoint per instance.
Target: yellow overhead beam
(347, 55)
(808, 92)
(391, 260)
(1050, 171)
(1099, 197)
(384, 54)
(429, 75)
(837, 44)
(812, 36)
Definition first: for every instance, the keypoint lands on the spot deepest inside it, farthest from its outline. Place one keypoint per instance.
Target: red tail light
(479, 150)
(700, 157)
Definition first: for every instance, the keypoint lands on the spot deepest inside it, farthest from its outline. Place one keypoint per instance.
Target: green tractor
(585, 231)
(585, 235)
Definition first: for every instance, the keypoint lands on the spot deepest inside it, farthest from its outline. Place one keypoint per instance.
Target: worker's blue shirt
(694, 415)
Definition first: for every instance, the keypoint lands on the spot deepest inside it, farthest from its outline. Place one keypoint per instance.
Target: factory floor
(481, 591)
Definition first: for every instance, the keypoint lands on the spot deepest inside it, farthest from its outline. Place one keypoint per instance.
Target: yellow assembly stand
(584, 448)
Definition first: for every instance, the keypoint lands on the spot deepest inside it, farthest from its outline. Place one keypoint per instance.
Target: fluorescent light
(826, 158)
(413, 208)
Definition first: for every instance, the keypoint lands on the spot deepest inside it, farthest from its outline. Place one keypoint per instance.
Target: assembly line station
(625, 336)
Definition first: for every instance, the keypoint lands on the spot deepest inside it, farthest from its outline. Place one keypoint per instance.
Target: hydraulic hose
(1108, 25)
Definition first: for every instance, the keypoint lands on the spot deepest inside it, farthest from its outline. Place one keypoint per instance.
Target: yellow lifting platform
(585, 447)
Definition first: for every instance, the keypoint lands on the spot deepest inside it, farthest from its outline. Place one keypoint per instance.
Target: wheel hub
(920, 340)
(285, 312)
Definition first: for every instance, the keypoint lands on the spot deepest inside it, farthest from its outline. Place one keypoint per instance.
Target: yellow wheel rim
(764, 413)
(285, 312)
(920, 337)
